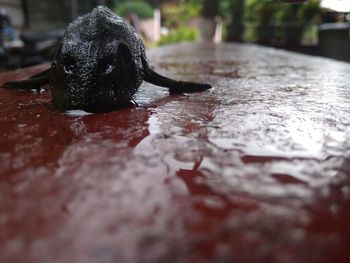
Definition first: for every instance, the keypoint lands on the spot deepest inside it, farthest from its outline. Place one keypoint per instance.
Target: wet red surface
(255, 170)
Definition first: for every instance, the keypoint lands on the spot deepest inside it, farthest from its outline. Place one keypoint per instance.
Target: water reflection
(260, 163)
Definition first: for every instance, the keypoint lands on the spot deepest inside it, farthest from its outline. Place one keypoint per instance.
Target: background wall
(44, 14)
(14, 8)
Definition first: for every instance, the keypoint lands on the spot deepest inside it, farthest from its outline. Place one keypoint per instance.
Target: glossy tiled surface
(255, 170)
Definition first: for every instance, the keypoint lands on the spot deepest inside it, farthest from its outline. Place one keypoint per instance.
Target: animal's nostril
(68, 69)
(69, 64)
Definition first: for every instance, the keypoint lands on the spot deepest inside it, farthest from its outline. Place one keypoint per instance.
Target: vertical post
(25, 13)
(111, 3)
(102, 2)
(157, 24)
(236, 28)
(210, 10)
(73, 9)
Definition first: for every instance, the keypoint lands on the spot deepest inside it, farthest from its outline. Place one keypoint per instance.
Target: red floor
(255, 170)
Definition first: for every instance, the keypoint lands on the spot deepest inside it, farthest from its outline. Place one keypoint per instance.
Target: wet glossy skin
(98, 64)
(256, 170)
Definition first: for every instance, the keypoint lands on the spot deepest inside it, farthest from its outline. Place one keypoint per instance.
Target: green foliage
(288, 14)
(142, 9)
(179, 35)
(310, 11)
(261, 12)
(175, 18)
(266, 20)
(299, 14)
(265, 12)
(227, 8)
(190, 8)
(177, 15)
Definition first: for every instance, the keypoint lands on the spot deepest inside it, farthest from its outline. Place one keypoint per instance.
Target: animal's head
(95, 68)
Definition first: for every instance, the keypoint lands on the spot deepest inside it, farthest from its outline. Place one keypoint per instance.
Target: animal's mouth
(106, 107)
(93, 108)
(103, 101)
(90, 102)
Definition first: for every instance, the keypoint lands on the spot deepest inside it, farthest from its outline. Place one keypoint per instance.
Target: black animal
(99, 65)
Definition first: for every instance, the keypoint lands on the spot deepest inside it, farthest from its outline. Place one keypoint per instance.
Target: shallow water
(256, 169)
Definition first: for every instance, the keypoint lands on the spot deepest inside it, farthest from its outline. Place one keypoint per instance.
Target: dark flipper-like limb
(173, 85)
(34, 82)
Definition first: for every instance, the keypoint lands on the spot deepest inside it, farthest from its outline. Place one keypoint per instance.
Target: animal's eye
(69, 64)
(125, 53)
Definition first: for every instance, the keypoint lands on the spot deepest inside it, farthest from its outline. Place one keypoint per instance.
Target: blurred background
(30, 29)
